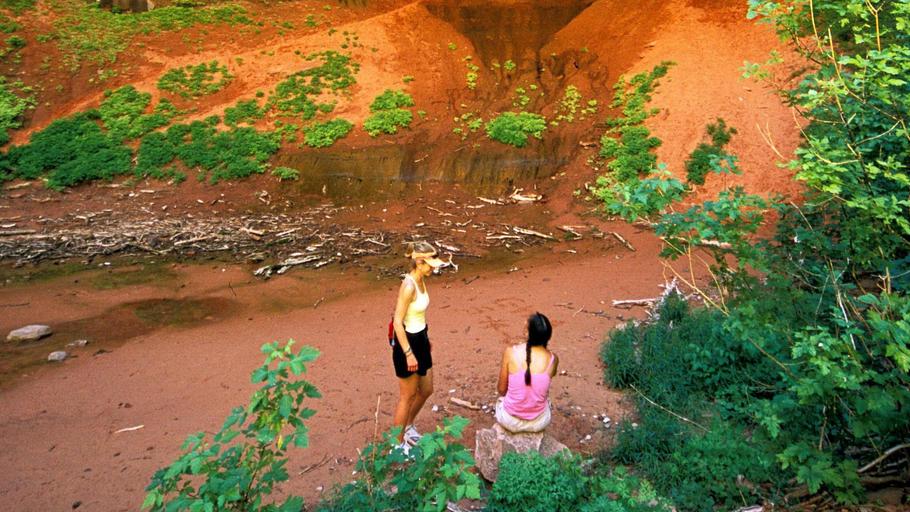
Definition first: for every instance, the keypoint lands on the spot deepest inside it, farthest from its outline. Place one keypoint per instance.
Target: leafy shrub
(636, 197)
(240, 467)
(636, 186)
(122, 113)
(293, 96)
(533, 483)
(89, 33)
(18, 6)
(390, 99)
(286, 173)
(687, 363)
(616, 490)
(12, 106)
(529, 482)
(221, 155)
(387, 121)
(156, 151)
(437, 472)
(388, 115)
(513, 129)
(194, 81)
(70, 151)
(15, 42)
(701, 159)
(323, 135)
(247, 111)
(8, 25)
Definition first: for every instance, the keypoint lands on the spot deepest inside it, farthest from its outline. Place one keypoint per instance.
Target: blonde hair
(420, 247)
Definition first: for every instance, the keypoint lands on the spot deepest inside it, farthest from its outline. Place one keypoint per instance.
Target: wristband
(408, 351)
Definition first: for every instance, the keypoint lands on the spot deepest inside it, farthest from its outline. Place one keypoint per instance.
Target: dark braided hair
(539, 332)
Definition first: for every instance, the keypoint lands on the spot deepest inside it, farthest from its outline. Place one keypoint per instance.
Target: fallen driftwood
(622, 240)
(519, 197)
(626, 304)
(671, 287)
(572, 231)
(129, 429)
(308, 238)
(531, 232)
(464, 403)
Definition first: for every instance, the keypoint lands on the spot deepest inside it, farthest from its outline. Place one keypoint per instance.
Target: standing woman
(411, 349)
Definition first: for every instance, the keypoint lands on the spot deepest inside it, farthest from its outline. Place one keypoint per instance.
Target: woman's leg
(424, 390)
(407, 395)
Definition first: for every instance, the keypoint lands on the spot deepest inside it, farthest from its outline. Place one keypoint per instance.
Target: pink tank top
(528, 402)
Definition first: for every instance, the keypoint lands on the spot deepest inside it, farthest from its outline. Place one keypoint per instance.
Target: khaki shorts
(518, 425)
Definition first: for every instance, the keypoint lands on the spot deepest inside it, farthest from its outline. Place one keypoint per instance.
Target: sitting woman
(524, 380)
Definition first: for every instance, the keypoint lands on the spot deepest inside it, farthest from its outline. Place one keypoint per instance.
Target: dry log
(531, 232)
(622, 240)
(14, 232)
(635, 302)
(464, 403)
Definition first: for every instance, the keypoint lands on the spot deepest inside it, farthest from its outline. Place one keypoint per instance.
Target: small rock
(29, 333)
(435, 408)
(56, 357)
(77, 343)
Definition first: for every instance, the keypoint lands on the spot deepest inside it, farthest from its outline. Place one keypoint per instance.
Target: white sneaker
(405, 449)
(411, 435)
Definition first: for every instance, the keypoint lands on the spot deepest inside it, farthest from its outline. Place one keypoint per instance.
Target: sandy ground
(59, 422)
(58, 446)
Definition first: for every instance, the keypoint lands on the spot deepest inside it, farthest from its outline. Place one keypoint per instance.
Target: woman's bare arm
(503, 385)
(555, 365)
(405, 297)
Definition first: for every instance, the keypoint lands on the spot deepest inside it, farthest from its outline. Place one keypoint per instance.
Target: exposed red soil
(178, 377)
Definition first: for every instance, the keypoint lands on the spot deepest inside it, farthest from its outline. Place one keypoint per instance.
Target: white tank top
(415, 318)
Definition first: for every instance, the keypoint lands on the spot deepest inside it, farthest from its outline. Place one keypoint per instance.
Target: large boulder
(493, 443)
(29, 333)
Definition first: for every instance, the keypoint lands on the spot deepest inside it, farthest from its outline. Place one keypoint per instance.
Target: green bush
(247, 111)
(194, 81)
(156, 152)
(514, 129)
(437, 472)
(705, 155)
(636, 185)
(322, 135)
(18, 6)
(15, 42)
(89, 33)
(122, 113)
(70, 151)
(388, 121)
(388, 115)
(532, 483)
(286, 174)
(390, 99)
(12, 106)
(241, 465)
(294, 95)
(221, 155)
(8, 25)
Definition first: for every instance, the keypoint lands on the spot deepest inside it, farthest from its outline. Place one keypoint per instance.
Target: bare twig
(883, 456)
(655, 404)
